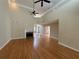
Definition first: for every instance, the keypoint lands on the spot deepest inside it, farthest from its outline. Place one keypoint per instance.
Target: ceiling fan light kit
(37, 15)
(42, 2)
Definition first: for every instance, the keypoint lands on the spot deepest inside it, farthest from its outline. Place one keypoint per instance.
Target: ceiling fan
(42, 1)
(34, 12)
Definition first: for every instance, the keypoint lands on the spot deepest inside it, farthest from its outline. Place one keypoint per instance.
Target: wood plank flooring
(36, 49)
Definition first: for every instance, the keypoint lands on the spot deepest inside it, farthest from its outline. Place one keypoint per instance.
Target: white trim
(5, 44)
(9, 41)
(68, 46)
(54, 37)
(61, 3)
(20, 5)
(31, 9)
(17, 38)
(56, 6)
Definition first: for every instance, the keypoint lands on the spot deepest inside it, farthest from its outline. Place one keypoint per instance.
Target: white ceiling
(38, 8)
(28, 3)
(46, 6)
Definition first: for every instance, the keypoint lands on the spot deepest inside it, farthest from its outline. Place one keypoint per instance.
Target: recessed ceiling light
(12, 4)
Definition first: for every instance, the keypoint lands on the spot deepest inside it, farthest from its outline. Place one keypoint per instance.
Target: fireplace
(29, 34)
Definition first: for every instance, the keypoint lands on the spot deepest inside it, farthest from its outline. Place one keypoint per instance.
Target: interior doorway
(41, 31)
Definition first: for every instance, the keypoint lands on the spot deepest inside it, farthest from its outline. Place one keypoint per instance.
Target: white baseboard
(9, 41)
(54, 37)
(5, 44)
(68, 46)
(17, 38)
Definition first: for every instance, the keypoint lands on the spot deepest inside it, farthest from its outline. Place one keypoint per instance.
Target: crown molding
(52, 8)
(55, 7)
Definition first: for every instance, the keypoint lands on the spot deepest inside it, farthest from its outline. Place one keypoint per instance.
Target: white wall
(22, 19)
(4, 23)
(14, 22)
(68, 15)
(69, 24)
(50, 17)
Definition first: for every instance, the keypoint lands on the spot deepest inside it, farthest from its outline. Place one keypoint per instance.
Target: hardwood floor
(36, 49)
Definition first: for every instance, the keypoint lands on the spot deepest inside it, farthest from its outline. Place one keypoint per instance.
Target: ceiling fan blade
(33, 12)
(37, 1)
(41, 3)
(47, 1)
(36, 13)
